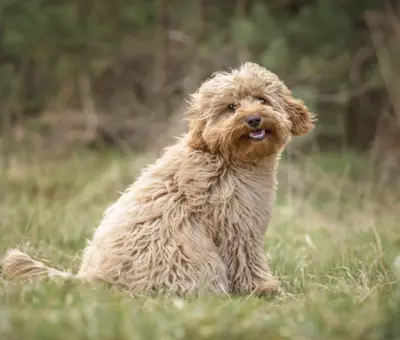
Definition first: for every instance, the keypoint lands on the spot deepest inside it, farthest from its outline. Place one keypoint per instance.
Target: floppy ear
(196, 140)
(302, 120)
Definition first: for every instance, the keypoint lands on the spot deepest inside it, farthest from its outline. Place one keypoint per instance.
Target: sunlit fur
(194, 221)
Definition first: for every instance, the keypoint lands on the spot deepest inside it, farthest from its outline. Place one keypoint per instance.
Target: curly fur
(194, 221)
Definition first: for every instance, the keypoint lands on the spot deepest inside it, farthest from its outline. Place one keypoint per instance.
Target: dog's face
(246, 115)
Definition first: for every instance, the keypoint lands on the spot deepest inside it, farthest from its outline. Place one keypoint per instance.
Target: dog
(194, 221)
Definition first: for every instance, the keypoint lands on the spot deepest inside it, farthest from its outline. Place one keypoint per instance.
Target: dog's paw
(270, 287)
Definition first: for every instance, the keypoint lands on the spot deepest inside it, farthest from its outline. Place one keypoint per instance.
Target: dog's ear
(196, 124)
(302, 119)
(196, 140)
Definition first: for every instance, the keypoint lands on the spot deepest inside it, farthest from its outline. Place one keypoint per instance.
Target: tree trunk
(241, 15)
(161, 53)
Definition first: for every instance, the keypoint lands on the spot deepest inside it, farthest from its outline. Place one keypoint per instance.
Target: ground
(330, 241)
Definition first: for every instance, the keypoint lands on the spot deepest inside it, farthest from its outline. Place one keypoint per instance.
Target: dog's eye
(232, 107)
(263, 101)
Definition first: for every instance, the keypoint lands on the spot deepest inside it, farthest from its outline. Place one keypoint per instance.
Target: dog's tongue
(257, 134)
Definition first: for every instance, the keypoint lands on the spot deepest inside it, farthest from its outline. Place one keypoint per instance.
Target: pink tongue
(257, 134)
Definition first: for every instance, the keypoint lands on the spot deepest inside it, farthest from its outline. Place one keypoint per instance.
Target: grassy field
(332, 245)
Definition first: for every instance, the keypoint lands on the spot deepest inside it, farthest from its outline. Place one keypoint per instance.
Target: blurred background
(92, 90)
(96, 75)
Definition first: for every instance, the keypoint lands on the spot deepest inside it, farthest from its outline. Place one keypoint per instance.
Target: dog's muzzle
(254, 122)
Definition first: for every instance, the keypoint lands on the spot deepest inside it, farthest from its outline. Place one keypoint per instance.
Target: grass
(330, 243)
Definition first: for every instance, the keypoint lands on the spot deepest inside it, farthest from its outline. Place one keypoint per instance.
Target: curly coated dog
(194, 221)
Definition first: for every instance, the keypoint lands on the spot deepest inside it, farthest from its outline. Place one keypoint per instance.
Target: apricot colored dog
(194, 221)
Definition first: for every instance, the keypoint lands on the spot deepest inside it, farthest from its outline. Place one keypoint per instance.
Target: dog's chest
(240, 200)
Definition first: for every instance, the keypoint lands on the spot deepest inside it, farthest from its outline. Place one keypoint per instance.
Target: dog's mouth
(258, 134)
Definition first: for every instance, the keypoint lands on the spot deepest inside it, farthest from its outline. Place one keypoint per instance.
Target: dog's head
(246, 114)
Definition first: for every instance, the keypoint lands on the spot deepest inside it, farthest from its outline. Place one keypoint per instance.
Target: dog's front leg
(247, 268)
(263, 282)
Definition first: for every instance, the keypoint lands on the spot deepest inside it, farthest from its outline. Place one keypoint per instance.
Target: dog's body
(194, 221)
(186, 224)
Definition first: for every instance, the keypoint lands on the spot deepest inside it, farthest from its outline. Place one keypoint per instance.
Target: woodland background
(116, 73)
(92, 90)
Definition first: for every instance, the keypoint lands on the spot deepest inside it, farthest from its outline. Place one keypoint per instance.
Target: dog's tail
(19, 265)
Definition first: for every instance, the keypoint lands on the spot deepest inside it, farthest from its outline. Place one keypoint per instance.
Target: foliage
(135, 51)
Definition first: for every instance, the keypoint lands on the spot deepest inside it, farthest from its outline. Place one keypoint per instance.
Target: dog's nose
(253, 121)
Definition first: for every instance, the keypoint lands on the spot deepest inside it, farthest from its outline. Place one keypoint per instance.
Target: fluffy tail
(17, 264)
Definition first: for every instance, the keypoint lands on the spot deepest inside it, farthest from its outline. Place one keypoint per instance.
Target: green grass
(332, 246)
